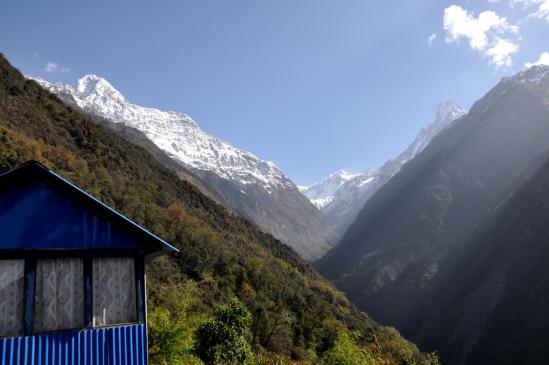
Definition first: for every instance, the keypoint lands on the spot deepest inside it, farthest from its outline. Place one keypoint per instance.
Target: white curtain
(59, 303)
(12, 274)
(114, 296)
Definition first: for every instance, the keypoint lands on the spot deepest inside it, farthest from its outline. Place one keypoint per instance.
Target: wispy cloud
(55, 67)
(542, 60)
(538, 8)
(487, 34)
(431, 39)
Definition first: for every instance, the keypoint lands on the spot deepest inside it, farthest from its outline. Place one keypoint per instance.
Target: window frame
(29, 283)
(34, 312)
(136, 298)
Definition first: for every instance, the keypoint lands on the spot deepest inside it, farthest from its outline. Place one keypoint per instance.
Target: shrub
(222, 340)
(172, 325)
(347, 351)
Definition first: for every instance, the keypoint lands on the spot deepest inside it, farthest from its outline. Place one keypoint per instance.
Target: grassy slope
(295, 310)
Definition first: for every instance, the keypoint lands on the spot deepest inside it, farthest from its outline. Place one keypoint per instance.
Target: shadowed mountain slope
(395, 259)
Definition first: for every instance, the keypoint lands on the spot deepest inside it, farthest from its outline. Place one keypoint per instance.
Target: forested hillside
(296, 315)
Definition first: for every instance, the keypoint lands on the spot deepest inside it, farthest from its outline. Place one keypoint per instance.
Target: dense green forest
(229, 279)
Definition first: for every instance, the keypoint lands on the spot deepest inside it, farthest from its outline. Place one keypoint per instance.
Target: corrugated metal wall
(125, 345)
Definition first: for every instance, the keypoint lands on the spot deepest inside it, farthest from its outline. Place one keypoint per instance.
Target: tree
(172, 323)
(347, 351)
(223, 339)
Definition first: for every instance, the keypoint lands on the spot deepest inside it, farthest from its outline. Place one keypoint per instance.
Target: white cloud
(431, 39)
(541, 7)
(500, 53)
(542, 60)
(485, 33)
(55, 67)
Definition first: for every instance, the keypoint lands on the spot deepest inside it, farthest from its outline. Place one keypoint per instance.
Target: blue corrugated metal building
(72, 274)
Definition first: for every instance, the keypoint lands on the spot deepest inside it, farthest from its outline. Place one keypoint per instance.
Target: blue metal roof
(40, 209)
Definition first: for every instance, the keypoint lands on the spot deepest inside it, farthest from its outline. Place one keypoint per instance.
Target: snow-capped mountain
(322, 192)
(175, 133)
(256, 189)
(446, 113)
(345, 197)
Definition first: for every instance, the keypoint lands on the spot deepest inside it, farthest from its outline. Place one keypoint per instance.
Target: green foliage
(172, 324)
(222, 340)
(408, 357)
(347, 351)
(433, 358)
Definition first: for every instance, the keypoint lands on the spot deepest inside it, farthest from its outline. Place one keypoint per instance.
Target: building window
(57, 287)
(12, 273)
(114, 295)
(59, 297)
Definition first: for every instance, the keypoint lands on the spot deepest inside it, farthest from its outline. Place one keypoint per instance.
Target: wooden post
(88, 292)
(140, 289)
(28, 298)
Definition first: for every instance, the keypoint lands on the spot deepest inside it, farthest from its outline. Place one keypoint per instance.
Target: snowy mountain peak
(449, 110)
(91, 85)
(322, 192)
(175, 133)
(340, 196)
(343, 174)
(446, 113)
(338, 176)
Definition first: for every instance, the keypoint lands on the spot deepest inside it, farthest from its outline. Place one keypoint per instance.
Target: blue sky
(313, 85)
